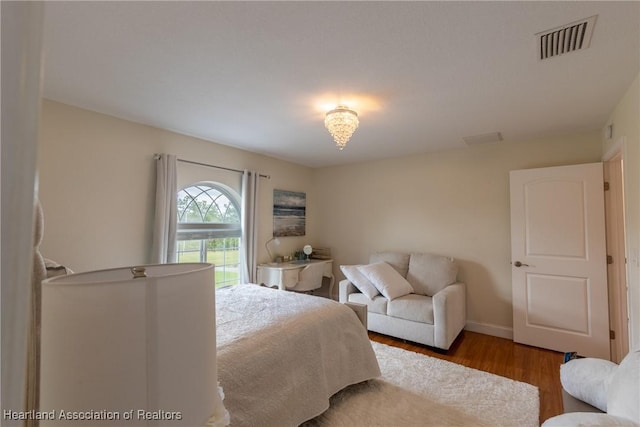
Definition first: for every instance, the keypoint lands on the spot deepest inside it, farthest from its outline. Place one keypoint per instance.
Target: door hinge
(606, 186)
(612, 335)
(609, 259)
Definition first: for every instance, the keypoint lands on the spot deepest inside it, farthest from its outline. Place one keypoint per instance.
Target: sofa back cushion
(398, 260)
(623, 393)
(428, 274)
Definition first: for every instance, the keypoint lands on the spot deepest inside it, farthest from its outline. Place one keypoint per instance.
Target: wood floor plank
(503, 357)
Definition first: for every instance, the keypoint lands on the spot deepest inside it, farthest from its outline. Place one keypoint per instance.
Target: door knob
(519, 264)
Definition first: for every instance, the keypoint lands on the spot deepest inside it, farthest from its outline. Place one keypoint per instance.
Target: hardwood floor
(503, 357)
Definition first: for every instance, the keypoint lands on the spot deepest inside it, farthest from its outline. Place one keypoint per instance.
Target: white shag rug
(418, 390)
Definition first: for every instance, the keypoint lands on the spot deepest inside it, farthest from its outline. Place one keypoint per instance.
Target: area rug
(417, 390)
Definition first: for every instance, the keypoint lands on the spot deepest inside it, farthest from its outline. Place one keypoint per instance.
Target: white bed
(281, 355)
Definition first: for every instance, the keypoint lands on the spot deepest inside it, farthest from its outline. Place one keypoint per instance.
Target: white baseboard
(489, 329)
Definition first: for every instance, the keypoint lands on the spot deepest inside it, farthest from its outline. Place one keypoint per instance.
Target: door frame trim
(619, 148)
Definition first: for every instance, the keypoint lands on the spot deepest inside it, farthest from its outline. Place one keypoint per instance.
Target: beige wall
(626, 133)
(97, 184)
(454, 203)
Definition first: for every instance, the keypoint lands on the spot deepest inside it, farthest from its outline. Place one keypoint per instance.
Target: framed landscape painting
(289, 213)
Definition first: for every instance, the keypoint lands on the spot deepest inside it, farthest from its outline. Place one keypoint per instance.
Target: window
(209, 230)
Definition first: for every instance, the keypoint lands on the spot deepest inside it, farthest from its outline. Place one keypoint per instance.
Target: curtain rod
(157, 156)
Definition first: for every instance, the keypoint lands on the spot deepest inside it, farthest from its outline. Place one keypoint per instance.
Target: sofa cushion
(359, 280)
(428, 274)
(623, 394)
(386, 279)
(588, 380)
(376, 305)
(398, 260)
(418, 308)
(587, 419)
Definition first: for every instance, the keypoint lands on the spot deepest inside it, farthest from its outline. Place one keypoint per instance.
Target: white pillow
(386, 279)
(363, 284)
(588, 380)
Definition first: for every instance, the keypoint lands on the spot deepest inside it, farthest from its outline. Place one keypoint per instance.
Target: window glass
(209, 230)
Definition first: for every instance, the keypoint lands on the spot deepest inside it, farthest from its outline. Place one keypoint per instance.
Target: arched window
(209, 230)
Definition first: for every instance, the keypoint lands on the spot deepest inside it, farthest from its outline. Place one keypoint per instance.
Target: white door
(558, 257)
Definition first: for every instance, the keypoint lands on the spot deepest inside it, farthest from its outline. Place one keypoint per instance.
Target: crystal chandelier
(341, 123)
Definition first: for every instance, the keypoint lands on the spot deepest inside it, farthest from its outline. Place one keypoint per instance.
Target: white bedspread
(281, 355)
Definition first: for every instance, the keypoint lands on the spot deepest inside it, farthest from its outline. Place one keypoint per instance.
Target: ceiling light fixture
(341, 122)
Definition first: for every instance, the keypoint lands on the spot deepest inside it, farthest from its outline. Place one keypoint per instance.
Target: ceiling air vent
(565, 39)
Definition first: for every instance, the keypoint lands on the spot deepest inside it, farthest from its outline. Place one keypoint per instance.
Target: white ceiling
(261, 75)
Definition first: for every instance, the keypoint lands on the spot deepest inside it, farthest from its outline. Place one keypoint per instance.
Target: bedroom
(463, 210)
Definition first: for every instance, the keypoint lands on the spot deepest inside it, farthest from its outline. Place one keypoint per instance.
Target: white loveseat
(419, 299)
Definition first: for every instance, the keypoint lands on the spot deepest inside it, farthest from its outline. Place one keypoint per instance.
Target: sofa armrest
(588, 379)
(587, 419)
(346, 288)
(449, 314)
